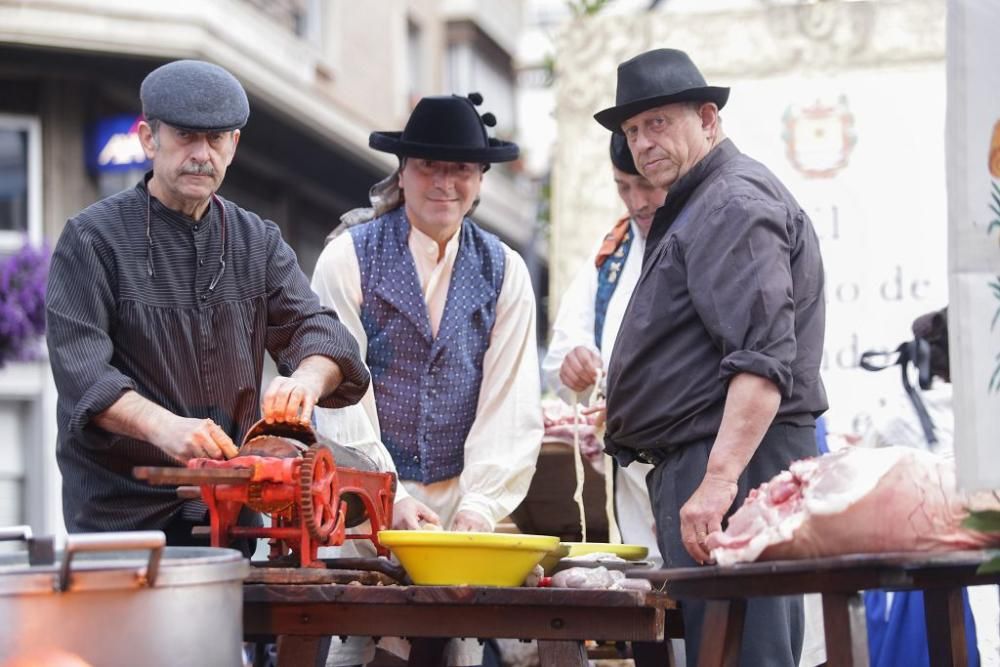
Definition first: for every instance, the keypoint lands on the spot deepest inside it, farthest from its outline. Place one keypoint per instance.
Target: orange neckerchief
(611, 241)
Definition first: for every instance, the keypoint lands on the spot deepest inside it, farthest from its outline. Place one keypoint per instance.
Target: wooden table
(839, 579)
(303, 616)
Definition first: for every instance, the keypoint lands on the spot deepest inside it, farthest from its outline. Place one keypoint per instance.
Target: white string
(614, 534)
(578, 466)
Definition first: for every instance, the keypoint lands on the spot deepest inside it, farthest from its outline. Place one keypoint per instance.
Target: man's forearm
(132, 416)
(751, 404)
(320, 372)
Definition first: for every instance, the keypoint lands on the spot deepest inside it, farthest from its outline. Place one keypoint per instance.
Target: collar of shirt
(434, 274)
(160, 211)
(685, 186)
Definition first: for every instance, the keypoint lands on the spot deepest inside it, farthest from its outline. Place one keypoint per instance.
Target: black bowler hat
(446, 128)
(194, 95)
(655, 78)
(621, 156)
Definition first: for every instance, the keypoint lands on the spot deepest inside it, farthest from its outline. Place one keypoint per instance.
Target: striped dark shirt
(112, 327)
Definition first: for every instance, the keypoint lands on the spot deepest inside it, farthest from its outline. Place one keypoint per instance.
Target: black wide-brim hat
(446, 128)
(653, 79)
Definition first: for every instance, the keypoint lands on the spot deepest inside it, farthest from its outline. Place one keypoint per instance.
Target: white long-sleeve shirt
(502, 446)
(574, 324)
(574, 327)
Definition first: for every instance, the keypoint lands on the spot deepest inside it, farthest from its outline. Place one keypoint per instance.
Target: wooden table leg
(561, 654)
(944, 615)
(653, 654)
(845, 630)
(300, 651)
(427, 651)
(722, 633)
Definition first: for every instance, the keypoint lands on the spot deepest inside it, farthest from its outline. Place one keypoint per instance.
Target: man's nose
(637, 204)
(638, 143)
(199, 149)
(443, 178)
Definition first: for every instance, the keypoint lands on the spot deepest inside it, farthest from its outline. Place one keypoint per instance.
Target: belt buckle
(645, 456)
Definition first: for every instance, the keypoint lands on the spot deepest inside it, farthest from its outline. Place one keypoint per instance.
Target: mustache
(198, 169)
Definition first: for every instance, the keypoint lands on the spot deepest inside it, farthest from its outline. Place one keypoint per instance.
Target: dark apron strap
(916, 352)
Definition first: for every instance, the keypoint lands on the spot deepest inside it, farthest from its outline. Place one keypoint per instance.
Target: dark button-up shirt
(113, 327)
(732, 282)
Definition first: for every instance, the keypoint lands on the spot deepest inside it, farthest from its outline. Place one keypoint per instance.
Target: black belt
(648, 455)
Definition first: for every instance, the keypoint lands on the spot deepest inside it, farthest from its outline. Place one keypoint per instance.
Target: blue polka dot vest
(426, 387)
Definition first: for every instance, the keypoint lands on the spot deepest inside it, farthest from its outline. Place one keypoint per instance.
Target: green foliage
(995, 378)
(995, 207)
(995, 288)
(585, 7)
(549, 66)
(992, 566)
(544, 216)
(985, 521)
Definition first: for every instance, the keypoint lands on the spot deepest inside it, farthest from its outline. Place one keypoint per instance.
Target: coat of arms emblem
(819, 138)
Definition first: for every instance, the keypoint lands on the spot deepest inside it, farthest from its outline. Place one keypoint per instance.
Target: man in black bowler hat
(445, 316)
(715, 376)
(161, 303)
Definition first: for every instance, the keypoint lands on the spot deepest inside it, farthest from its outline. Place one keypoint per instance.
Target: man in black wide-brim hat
(445, 315)
(715, 375)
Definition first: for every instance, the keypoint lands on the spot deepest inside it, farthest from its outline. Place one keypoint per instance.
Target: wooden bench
(839, 579)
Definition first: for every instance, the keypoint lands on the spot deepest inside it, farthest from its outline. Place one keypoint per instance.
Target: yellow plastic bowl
(553, 557)
(440, 558)
(626, 551)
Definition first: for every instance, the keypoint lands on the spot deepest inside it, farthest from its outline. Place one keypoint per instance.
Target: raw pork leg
(857, 500)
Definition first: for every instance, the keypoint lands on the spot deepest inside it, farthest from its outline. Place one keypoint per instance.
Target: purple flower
(22, 303)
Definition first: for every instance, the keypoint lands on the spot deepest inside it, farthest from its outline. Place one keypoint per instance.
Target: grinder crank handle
(165, 475)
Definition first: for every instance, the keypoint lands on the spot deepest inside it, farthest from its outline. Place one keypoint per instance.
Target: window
(20, 181)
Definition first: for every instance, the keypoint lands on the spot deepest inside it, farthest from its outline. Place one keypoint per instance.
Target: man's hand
(289, 399)
(411, 514)
(579, 368)
(467, 521)
(702, 514)
(186, 438)
(600, 412)
(292, 399)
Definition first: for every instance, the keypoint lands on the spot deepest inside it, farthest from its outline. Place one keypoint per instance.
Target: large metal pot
(123, 599)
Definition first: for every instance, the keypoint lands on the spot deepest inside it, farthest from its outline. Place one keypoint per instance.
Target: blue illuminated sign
(114, 145)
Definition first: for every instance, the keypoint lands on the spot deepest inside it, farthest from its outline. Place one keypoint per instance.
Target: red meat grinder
(313, 490)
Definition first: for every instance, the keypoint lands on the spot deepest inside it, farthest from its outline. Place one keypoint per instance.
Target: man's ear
(147, 140)
(709, 114)
(236, 142)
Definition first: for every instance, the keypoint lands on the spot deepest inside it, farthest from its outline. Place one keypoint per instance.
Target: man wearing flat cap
(161, 303)
(715, 375)
(445, 316)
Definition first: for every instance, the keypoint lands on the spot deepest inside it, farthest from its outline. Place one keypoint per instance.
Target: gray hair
(154, 127)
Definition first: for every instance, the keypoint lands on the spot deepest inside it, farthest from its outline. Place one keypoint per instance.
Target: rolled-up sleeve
(298, 326)
(740, 280)
(80, 311)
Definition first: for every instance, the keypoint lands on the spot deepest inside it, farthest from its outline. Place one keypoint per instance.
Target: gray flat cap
(194, 95)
